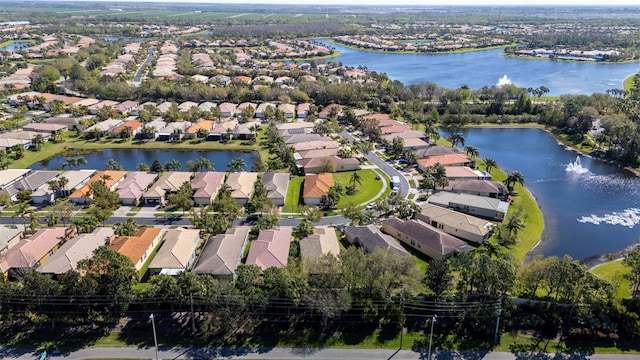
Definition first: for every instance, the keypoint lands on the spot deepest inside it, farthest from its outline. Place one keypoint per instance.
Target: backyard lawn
(613, 272)
(366, 191)
(293, 199)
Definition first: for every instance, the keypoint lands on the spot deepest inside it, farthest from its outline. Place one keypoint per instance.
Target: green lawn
(628, 83)
(293, 199)
(613, 272)
(369, 188)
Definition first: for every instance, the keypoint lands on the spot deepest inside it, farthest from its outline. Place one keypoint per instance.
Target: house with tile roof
(323, 241)
(177, 253)
(276, 185)
(289, 110)
(134, 125)
(486, 188)
(9, 238)
(31, 182)
(242, 185)
(10, 176)
(315, 186)
(446, 160)
(271, 248)
(466, 227)
(111, 179)
(137, 248)
(206, 186)
(227, 109)
(33, 251)
(169, 182)
(202, 125)
(78, 248)
(480, 206)
(317, 165)
(222, 253)
(465, 173)
(303, 110)
(134, 186)
(74, 180)
(424, 238)
(318, 148)
(370, 238)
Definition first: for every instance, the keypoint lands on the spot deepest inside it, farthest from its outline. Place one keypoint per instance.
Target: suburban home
(78, 248)
(395, 128)
(465, 173)
(206, 186)
(103, 128)
(9, 238)
(227, 109)
(137, 248)
(169, 182)
(27, 137)
(127, 107)
(261, 109)
(487, 188)
(11, 143)
(463, 226)
(370, 238)
(33, 251)
(133, 187)
(405, 135)
(289, 110)
(49, 128)
(271, 248)
(222, 253)
(317, 148)
(316, 186)
(323, 241)
(200, 126)
(110, 178)
(242, 185)
(276, 185)
(303, 110)
(173, 131)
(317, 165)
(222, 80)
(480, 206)
(93, 109)
(246, 131)
(298, 127)
(436, 150)
(304, 137)
(446, 160)
(244, 105)
(324, 114)
(151, 130)
(415, 144)
(134, 126)
(68, 121)
(207, 106)
(177, 253)
(9, 176)
(74, 180)
(31, 182)
(424, 238)
(186, 106)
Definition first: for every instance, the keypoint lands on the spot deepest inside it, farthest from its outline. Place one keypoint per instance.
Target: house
(487, 188)
(137, 248)
(127, 107)
(103, 128)
(463, 226)
(68, 121)
(74, 180)
(222, 253)
(177, 253)
(303, 110)
(415, 144)
(436, 150)
(370, 238)
(405, 135)
(78, 248)
(480, 206)
(446, 160)
(289, 110)
(464, 173)
(206, 186)
(9, 176)
(52, 129)
(262, 108)
(329, 109)
(304, 137)
(131, 189)
(134, 126)
(276, 185)
(200, 126)
(246, 131)
(271, 248)
(424, 238)
(207, 106)
(317, 148)
(151, 130)
(316, 186)
(186, 106)
(169, 182)
(298, 127)
(30, 182)
(227, 109)
(242, 185)
(33, 251)
(244, 105)
(110, 178)
(323, 241)
(9, 238)
(173, 131)
(93, 109)
(317, 165)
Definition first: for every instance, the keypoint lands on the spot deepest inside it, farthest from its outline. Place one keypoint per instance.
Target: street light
(155, 338)
(433, 320)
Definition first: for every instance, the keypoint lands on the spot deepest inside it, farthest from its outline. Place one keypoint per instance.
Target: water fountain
(576, 167)
(504, 80)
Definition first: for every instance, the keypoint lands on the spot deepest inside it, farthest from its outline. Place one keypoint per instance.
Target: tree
(438, 276)
(304, 229)
(237, 164)
(632, 260)
(312, 213)
(172, 165)
(490, 164)
(356, 178)
(23, 211)
(202, 164)
(37, 143)
(74, 162)
(183, 199)
(209, 223)
(128, 228)
(63, 211)
(327, 166)
(143, 167)
(514, 177)
(156, 166)
(114, 165)
(472, 151)
(455, 139)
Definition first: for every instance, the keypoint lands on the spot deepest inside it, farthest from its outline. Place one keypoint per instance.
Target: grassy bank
(628, 84)
(465, 50)
(614, 272)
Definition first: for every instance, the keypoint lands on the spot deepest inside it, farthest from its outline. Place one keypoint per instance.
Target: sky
(635, 3)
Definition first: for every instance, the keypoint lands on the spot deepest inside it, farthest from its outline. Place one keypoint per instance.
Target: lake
(16, 46)
(484, 68)
(590, 207)
(130, 158)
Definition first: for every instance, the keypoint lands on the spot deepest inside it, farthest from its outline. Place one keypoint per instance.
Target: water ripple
(629, 218)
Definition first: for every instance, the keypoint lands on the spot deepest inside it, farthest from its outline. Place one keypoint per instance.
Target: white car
(371, 205)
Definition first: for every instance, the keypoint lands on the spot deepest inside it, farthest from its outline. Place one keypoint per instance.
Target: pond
(15, 46)
(590, 207)
(485, 68)
(130, 158)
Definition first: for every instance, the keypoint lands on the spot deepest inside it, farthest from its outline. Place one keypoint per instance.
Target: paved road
(138, 76)
(299, 353)
(384, 166)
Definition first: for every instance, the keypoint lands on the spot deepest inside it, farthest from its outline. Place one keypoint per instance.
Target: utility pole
(499, 311)
(155, 337)
(401, 321)
(433, 320)
(193, 318)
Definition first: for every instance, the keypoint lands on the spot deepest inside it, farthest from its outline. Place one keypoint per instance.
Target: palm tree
(237, 164)
(513, 178)
(455, 139)
(113, 165)
(428, 181)
(490, 163)
(23, 211)
(356, 178)
(104, 178)
(173, 165)
(143, 167)
(472, 151)
(62, 182)
(204, 164)
(514, 225)
(74, 162)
